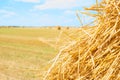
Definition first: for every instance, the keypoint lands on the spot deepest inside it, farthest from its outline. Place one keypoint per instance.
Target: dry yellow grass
(95, 55)
(24, 52)
(22, 55)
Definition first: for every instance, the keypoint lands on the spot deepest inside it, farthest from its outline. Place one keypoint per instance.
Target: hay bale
(97, 55)
(58, 27)
(67, 28)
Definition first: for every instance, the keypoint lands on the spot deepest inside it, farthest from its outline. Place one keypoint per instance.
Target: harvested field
(22, 55)
(24, 52)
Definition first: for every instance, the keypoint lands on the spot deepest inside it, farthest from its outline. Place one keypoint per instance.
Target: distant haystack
(67, 28)
(59, 27)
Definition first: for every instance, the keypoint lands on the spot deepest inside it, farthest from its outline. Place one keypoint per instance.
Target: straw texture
(96, 55)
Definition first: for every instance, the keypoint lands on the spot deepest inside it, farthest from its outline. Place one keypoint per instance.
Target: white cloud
(70, 12)
(6, 13)
(31, 1)
(57, 4)
(63, 4)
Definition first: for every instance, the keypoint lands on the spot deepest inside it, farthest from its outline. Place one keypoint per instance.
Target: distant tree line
(11, 26)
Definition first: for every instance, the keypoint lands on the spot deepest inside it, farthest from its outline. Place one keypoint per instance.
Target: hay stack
(96, 56)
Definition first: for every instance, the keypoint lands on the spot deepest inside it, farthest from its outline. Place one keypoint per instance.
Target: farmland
(25, 51)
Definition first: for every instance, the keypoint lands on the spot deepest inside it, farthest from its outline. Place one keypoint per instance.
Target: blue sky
(42, 12)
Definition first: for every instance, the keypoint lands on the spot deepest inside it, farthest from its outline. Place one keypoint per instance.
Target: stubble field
(25, 53)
